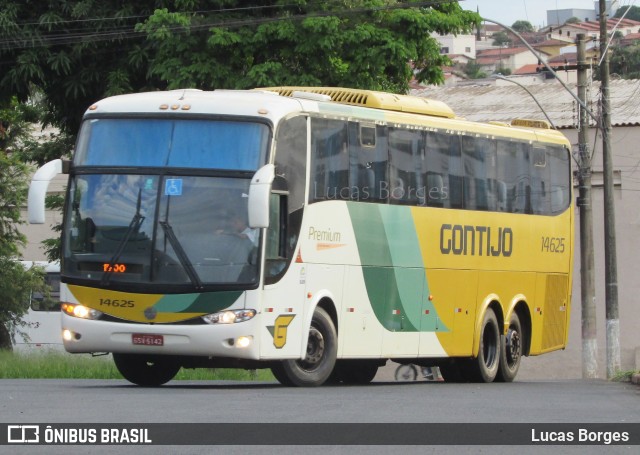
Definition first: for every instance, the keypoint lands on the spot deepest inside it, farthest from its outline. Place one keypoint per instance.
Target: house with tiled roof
(630, 39)
(510, 58)
(592, 29)
(551, 47)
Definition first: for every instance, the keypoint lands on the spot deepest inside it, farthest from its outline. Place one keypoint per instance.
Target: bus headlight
(229, 316)
(80, 311)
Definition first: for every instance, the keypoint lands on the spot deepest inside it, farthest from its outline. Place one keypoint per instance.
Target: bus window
(559, 169)
(406, 161)
(439, 170)
(368, 162)
(513, 171)
(478, 159)
(329, 160)
(540, 200)
(40, 302)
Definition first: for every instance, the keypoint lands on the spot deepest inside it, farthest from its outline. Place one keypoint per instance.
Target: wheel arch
(326, 301)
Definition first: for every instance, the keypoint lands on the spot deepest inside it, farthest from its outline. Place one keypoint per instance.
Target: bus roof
(274, 103)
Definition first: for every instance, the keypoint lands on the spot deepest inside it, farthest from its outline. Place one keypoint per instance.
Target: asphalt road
(533, 403)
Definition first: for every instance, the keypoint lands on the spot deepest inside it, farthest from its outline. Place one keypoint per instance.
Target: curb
(635, 378)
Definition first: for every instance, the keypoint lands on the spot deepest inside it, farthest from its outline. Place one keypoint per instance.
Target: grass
(624, 376)
(60, 365)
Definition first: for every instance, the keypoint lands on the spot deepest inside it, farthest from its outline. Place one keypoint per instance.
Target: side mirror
(38, 190)
(259, 195)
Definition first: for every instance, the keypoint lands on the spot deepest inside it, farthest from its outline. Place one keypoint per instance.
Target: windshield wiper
(134, 227)
(182, 256)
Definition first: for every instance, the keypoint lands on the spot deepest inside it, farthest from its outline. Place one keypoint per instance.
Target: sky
(534, 11)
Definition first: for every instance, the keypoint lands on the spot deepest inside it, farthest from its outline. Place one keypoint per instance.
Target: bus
(42, 321)
(315, 231)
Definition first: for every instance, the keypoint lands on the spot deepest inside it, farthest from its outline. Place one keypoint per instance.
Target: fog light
(67, 335)
(243, 342)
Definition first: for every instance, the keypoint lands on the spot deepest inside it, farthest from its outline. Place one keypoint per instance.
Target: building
(560, 16)
(505, 102)
(510, 58)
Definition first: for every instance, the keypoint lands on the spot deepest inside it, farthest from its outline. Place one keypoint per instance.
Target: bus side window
(276, 248)
(42, 302)
(368, 159)
(406, 161)
(560, 168)
(329, 160)
(438, 165)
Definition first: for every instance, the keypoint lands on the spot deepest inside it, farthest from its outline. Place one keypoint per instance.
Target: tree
(501, 39)
(16, 283)
(522, 26)
(625, 61)
(573, 20)
(633, 14)
(473, 70)
(78, 51)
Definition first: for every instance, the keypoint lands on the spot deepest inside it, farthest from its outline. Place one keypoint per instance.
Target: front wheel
(146, 371)
(320, 360)
(510, 351)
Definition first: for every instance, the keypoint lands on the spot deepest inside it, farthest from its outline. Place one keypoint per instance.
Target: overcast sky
(534, 11)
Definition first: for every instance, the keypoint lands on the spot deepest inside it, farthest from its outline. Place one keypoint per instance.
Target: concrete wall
(568, 363)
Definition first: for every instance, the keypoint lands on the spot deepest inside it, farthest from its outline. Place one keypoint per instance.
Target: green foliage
(59, 365)
(474, 71)
(625, 61)
(573, 20)
(522, 26)
(624, 376)
(633, 14)
(501, 39)
(78, 51)
(16, 283)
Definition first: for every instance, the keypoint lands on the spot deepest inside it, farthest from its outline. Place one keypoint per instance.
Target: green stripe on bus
(206, 303)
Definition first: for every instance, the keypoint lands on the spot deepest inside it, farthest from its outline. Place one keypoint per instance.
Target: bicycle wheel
(407, 372)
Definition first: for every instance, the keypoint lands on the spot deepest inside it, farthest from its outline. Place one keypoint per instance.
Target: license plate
(147, 340)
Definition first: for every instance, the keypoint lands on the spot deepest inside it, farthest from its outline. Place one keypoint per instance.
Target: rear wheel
(510, 351)
(484, 368)
(146, 371)
(320, 360)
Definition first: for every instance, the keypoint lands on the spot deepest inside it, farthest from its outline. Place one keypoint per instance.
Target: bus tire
(278, 372)
(146, 371)
(484, 368)
(510, 351)
(320, 360)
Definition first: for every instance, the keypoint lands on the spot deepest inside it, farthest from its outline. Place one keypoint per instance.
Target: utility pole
(610, 257)
(587, 274)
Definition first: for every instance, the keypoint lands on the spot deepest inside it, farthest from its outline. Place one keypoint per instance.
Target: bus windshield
(131, 223)
(166, 230)
(190, 143)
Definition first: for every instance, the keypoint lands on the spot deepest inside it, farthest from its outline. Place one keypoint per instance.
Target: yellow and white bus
(318, 232)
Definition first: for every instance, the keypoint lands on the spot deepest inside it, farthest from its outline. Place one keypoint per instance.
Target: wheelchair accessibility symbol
(173, 187)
